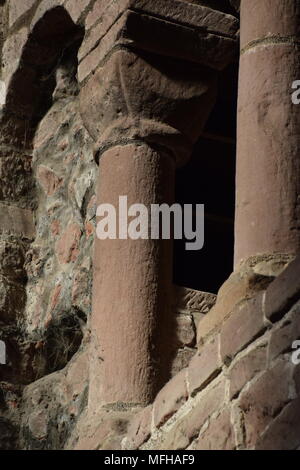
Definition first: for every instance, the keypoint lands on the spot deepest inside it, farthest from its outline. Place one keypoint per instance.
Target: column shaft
(132, 283)
(268, 159)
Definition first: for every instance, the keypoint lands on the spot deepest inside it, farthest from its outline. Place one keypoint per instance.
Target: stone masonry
(108, 98)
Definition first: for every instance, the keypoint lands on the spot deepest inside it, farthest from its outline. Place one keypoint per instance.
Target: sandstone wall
(47, 219)
(241, 390)
(238, 390)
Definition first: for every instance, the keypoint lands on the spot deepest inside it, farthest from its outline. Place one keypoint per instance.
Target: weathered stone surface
(275, 19)
(243, 284)
(170, 398)
(16, 221)
(267, 213)
(18, 186)
(189, 300)
(12, 301)
(244, 325)
(245, 368)
(180, 435)
(12, 258)
(59, 398)
(77, 8)
(185, 334)
(182, 359)
(139, 429)
(104, 431)
(284, 291)
(43, 7)
(17, 9)
(11, 53)
(219, 435)
(264, 398)
(167, 18)
(67, 247)
(163, 124)
(204, 367)
(284, 432)
(49, 181)
(285, 333)
(51, 315)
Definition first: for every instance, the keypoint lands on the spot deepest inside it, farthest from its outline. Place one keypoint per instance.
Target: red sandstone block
(170, 399)
(204, 366)
(67, 247)
(90, 40)
(96, 13)
(219, 435)
(244, 325)
(97, 55)
(283, 292)
(261, 402)
(284, 432)
(188, 427)
(139, 429)
(18, 8)
(49, 181)
(244, 369)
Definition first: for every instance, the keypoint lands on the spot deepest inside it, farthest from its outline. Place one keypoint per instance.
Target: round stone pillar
(132, 281)
(268, 161)
(151, 117)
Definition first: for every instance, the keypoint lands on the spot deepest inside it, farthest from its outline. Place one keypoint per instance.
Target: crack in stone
(271, 41)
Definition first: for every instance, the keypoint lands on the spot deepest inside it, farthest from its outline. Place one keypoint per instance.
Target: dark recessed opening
(209, 178)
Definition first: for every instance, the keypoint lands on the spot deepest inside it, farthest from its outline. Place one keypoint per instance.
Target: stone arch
(30, 87)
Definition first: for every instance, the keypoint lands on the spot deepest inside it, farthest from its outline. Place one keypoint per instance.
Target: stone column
(268, 163)
(145, 108)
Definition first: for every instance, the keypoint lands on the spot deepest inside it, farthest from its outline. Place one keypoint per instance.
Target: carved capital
(153, 75)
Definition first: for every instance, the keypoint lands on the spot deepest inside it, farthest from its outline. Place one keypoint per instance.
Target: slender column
(145, 110)
(268, 163)
(132, 281)
(138, 153)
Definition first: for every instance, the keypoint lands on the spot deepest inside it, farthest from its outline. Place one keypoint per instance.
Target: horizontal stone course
(186, 428)
(218, 435)
(264, 398)
(76, 8)
(246, 367)
(244, 325)
(139, 429)
(18, 8)
(170, 399)
(204, 366)
(233, 291)
(284, 432)
(143, 25)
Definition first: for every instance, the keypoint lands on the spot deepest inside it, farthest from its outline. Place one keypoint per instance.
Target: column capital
(152, 76)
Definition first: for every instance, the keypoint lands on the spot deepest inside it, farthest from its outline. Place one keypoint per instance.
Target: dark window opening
(209, 178)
